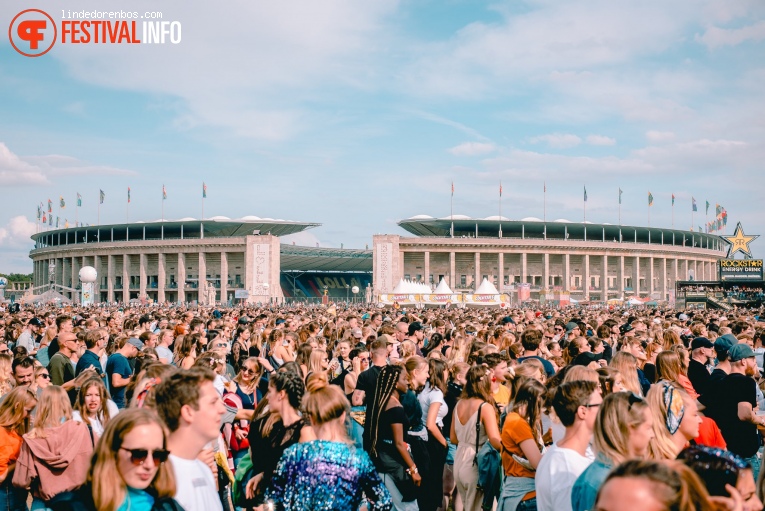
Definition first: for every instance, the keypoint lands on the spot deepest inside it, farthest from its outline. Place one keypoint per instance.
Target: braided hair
(292, 384)
(386, 384)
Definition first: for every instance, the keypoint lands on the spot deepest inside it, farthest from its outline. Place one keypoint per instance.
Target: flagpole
(673, 212)
(500, 209)
(99, 207)
(584, 203)
(544, 202)
(620, 207)
(451, 213)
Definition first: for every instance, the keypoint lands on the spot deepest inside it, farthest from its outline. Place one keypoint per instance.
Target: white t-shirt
(556, 474)
(165, 353)
(96, 424)
(427, 397)
(195, 485)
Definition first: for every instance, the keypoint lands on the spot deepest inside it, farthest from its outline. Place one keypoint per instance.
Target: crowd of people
(314, 408)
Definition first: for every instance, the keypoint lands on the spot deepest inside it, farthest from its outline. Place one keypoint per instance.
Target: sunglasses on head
(138, 456)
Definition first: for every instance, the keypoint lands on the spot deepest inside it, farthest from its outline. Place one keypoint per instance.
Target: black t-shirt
(267, 450)
(453, 393)
(367, 382)
(699, 376)
(741, 436)
(395, 415)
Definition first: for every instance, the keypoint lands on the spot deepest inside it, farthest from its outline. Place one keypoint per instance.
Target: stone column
(523, 267)
(604, 279)
(161, 277)
(452, 270)
(477, 281)
(636, 278)
(426, 267)
(545, 270)
(566, 272)
(586, 277)
(202, 282)
(675, 264)
(125, 278)
(142, 276)
(97, 284)
(224, 278)
(650, 276)
(110, 274)
(621, 276)
(501, 271)
(663, 277)
(180, 276)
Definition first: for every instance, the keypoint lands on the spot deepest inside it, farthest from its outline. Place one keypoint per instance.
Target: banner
(744, 270)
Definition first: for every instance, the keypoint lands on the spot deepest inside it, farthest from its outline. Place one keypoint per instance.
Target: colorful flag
(452, 188)
(585, 194)
(707, 212)
(50, 206)
(650, 199)
(128, 195)
(500, 188)
(66, 223)
(673, 199)
(164, 192)
(79, 200)
(44, 218)
(61, 202)
(39, 212)
(101, 196)
(620, 195)
(693, 204)
(204, 190)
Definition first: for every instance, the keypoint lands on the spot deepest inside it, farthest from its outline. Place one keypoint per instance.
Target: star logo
(739, 242)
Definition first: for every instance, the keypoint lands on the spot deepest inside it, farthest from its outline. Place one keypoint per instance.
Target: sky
(356, 115)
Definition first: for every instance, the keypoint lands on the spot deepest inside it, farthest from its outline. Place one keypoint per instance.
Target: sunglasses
(44, 375)
(138, 456)
(248, 370)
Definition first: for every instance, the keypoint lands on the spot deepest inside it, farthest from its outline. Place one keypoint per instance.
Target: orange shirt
(10, 446)
(515, 431)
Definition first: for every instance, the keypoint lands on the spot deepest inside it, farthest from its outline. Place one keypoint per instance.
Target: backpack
(489, 461)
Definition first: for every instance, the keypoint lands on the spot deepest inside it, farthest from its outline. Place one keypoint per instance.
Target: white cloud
(659, 136)
(15, 171)
(16, 232)
(472, 149)
(557, 140)
(600, 140)
(715, 37)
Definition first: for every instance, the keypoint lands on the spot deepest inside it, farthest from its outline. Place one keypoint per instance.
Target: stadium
(243, 258)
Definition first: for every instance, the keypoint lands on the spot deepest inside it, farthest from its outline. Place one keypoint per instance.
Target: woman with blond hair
(54, 442)
(347, 474)
(623, 430)
(670, 367)
(676, 420)
(6, 363)
(14, 422)
(627, 365)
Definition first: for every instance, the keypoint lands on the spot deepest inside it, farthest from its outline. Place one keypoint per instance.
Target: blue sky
(358, 114)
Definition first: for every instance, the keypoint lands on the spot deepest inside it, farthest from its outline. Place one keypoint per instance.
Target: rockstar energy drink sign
(741, 270)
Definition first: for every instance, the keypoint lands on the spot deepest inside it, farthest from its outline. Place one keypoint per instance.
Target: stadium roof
(185, 228)
(535, 228)
(295, 258)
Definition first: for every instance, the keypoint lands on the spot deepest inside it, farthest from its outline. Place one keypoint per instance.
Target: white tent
(443, 288)
(486, 288)
(49, 296)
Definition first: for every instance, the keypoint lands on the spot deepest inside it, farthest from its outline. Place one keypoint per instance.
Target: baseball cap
(683, 317)
(626, 328)
(740, 352)
(387, 338)
(701, 342)
(414, 327)
(280, 321)
(507, 319)
(570, 326)
(244, 320)
(356, 333)
(35, 322)
(135, 341)
(725, 342)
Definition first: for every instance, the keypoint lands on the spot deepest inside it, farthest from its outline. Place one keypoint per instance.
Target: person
(530, 340)
(95, 342)
(93, 406)
(246, 396)
(676, 420)
(23, 370)
(522, 438)
(576, 404)
(733, 406)
(118, 368)
(62, 368)
(165, 339)
(388, 423)
(702, 353)
(192, 409)
(643, 485)
(341, 365)
(130, 471)
(14, 422)
(366, 383)
(670, 367)
(719, 469)
(55, 456)
(435, 409)
(42, 378)
(623, 430)
(611, 381)
(346, 475)
(28, 337)
(457, 378)
(469, 411)
(271, 433)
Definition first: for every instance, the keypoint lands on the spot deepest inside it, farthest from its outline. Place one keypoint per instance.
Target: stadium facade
(244, 259)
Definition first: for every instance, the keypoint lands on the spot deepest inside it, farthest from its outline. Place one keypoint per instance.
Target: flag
(39, 212)
(673, 199)
(79, 200)
(44, 218)
(452, 188)
(500, 188)
(717, 209)
(164, 192)
(693, 204)
(61, 202)
(204, 190)
(650, 199)
(50, 220)
(700, 229)
(585, 194)
(66, 223)
(545, 186)
(56, 222)
(707, 212)
(101, 196)
(50, 206)
(128, 195)
(620, 195)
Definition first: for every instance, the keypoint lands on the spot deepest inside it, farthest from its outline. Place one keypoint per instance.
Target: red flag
(500, 189)
(452, 188)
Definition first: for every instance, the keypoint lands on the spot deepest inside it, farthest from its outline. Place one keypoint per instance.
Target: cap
(740, 352)
(626, 328)
(279, 321)
(414, 327)
(507, 319)
(135, 341)
(244, 320)
(724, 343)
(586, 358)
(35, 322)
(570, 326)
(701, 342)
(356, 333)
(683, 317)
(387, 338)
